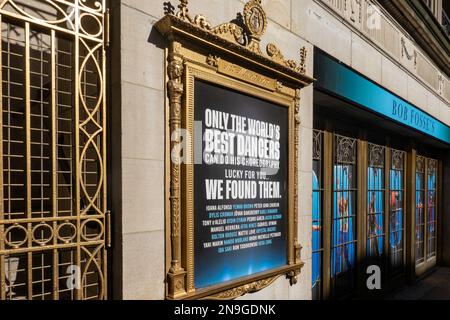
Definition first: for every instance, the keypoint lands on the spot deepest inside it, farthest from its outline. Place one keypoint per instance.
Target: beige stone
(434, 105)
(445, 114)
(305, 149)
(279, 11)
(143, 266)
(394, 78)
(142, 122)
(150, 7)
(365, 58)
(142, 61)
(417, 94)
(143, 195)
(306, 103)
(318, 26)
(216, 11)
(289, 44)
(305, 236)
(305, 193)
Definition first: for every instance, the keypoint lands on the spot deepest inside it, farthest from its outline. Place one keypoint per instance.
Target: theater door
(426, 213)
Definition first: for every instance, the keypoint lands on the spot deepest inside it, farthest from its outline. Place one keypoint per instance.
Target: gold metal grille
(53, 219)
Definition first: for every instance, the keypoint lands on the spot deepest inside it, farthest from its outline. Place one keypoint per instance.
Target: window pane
(343, 251)
(431, 219)
(375, 201)
(317, 243)
(419, 215)
(396, 225)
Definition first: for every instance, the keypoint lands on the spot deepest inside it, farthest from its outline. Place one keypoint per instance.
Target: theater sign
(231, 160)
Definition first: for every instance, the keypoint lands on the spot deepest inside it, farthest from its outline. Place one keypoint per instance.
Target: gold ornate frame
(228, 55)
(83, 25)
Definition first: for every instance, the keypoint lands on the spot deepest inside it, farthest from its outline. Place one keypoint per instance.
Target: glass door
(344, 237)
(425, 214)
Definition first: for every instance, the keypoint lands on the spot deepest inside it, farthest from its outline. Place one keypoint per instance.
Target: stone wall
(138, 109)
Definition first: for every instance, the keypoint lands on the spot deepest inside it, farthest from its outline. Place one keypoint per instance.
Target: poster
(240, 186)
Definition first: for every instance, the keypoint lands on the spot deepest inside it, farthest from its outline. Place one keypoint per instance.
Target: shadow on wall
(156, 39)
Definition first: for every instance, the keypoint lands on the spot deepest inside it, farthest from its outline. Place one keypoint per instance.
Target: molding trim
(423, 27)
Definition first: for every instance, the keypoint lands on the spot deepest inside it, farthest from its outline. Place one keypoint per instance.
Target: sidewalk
(434, 287)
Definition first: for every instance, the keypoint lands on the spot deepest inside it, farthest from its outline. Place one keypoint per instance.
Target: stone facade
(138, 108)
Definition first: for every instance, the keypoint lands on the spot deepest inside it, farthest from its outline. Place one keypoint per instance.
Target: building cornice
(418, 21)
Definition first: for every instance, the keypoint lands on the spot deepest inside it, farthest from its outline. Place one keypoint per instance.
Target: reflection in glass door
(375, 196)
(396, 218)
(431, 209)
(317, 217)
(343, 243)
(426, 214)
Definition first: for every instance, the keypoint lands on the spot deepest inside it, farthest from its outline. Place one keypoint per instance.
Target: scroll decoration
(248, 35)
(71, 16)
(244, 289)
(317, 145)
(376, 155)
(398, 159)
(346, 150)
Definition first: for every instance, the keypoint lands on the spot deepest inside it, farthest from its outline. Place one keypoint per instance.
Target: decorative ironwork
(397, 159)
(432, 166)
(345, 150)
(396, 211)
(317, 144)
(420, 202)
(375, 200)
(376, 155)
(81, 17)
(53, 154)
(420, 164)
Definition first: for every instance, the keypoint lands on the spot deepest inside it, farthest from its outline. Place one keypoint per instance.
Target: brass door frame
(400, 277)
(84, 25)
(361, 212)
(331, 156)
(327, 213)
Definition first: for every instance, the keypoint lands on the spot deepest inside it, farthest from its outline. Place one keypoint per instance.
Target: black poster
(241, 185)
